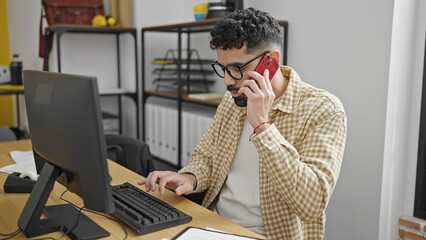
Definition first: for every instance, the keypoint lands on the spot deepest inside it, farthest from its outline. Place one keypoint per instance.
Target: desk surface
(11, 204)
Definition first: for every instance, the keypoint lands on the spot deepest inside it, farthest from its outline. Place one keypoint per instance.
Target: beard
(240, 101)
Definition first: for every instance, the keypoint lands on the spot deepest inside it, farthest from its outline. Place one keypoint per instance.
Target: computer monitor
(66, 131)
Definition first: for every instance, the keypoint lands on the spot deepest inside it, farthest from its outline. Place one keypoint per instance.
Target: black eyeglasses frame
(237, 67)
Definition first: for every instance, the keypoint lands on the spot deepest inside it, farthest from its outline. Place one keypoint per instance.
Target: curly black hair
(256, 29)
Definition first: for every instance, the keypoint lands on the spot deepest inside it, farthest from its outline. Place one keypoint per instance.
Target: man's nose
(228, 80)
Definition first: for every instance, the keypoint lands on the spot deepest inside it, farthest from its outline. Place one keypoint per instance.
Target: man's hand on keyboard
(180, 183)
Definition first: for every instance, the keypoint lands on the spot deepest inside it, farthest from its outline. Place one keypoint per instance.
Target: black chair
(130, 153)
(6, 135)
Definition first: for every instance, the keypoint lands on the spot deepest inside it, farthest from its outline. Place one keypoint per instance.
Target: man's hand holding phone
(266, 63)
(259, 93)
(260, 97)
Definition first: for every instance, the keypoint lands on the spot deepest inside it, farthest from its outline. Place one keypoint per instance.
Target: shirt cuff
(194, 187)
(268, 139)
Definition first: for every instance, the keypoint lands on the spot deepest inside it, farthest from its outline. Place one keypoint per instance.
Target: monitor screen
(66, 132)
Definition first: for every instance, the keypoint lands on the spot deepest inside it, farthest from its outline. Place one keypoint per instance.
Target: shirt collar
(290, 98)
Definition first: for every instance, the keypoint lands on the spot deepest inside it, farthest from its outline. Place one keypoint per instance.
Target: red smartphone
(267, 62)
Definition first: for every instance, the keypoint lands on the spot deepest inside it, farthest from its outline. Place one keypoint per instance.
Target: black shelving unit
(194, 76)
(59, 30)
(16, 92)
(187, 28)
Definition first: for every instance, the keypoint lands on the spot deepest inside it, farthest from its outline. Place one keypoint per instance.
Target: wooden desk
(11, 204)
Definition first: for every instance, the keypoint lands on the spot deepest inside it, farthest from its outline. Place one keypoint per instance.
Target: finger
(246, 90)
(146, 181)
(165, 180)
(255, 75)
(268, 83)
(264, 83)
(251, 84)
(260, 80)
(152, 179)
(142, 182)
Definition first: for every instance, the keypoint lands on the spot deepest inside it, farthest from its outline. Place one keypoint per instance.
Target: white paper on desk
(22, 156)
(193, 233)
(24, 162)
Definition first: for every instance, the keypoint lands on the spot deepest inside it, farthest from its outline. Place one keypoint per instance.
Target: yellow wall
(6, 101)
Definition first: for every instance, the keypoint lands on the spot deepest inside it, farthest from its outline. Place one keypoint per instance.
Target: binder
(151, 126)
(195, 130)
(163, 128)
(195, 122)
(166, 133)
(148, 125)
(184, 139)
(189, 136)
(157, 130)
(170, 140)
(174, 135)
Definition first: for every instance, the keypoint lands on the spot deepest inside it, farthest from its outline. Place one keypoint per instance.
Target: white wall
(371, 56)
(23, 22)
(346, 47)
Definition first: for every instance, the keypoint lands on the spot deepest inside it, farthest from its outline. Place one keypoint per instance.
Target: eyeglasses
(233, 70)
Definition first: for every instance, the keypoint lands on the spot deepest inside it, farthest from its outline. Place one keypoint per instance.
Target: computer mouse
(29, 174)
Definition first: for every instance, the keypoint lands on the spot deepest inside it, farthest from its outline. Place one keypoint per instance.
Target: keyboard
(144, 212)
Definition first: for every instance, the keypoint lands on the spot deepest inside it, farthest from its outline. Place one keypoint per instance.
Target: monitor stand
(59, 217)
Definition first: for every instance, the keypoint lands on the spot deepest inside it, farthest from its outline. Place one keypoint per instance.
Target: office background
(368, 53)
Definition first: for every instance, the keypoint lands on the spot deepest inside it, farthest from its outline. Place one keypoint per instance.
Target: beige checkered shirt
(300, 156)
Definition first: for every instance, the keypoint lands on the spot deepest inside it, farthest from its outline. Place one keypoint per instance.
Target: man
(269, 162)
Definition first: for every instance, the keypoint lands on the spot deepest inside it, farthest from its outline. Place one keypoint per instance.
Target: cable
(72, 228)
(78, 218)
(13, 234)
(92, 211)
(10, 235)
(43, 238)
(112, 219)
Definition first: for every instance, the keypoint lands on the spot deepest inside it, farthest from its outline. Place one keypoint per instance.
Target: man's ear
(276, 55)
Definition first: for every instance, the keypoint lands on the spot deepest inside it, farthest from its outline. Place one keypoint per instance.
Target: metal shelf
(185, 98)
(58, 30)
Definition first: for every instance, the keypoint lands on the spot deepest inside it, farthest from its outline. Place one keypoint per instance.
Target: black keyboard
(144, 212)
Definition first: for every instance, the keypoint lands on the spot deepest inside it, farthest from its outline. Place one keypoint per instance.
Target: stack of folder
(161, 128)
(194, 125)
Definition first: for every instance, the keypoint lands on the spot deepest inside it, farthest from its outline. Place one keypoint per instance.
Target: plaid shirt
(300, 156)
